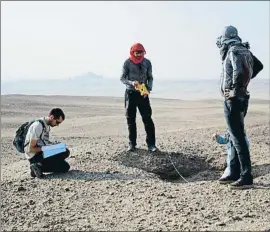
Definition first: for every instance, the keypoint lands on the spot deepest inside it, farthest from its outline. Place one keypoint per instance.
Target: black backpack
(20, 135)
(257, 66)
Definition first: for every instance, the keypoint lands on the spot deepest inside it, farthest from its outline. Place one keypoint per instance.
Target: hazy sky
(62, 39)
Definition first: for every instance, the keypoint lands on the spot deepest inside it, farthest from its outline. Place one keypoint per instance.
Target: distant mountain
(86, 77)
(90, 84)
(84, 84)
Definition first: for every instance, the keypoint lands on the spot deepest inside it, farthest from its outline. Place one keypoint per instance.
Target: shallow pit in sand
(164, 164)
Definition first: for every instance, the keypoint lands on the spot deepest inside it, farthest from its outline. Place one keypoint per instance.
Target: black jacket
(237, 70)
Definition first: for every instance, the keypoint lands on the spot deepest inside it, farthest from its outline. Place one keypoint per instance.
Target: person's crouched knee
(64, 167)
(67, 153)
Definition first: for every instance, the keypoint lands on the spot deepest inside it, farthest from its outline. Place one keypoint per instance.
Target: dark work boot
(36, 169)
(32, 174)
(152, 148)
(131, 148)
(241, 183)
(227, 180)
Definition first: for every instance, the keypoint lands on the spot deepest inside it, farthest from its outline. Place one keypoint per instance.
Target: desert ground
(109, 189)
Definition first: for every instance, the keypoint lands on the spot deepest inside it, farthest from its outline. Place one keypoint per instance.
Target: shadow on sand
(92, 176)
(166, 166)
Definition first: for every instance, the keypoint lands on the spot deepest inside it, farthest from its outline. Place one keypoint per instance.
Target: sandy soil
(108, 189)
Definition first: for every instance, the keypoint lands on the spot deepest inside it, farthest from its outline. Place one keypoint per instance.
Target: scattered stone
(31, 202)
(161, 195)
(237, 218)
(46, 226)
(21, 188)
(247, 215)
(220, 224)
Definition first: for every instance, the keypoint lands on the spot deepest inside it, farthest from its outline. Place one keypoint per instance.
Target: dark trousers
(235, 111)
(232, 160)
(54, 163)
(133, 99)
(233, 165)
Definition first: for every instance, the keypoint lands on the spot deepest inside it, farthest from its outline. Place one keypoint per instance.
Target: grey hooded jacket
(137, 72)
(237, 70)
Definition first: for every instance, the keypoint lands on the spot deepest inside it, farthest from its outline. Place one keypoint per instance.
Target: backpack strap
(43, 126)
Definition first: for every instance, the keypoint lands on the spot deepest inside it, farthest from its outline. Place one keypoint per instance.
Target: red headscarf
(136, 47)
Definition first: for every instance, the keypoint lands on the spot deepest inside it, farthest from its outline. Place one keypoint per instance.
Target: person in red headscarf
(137, 53)
(137, 70)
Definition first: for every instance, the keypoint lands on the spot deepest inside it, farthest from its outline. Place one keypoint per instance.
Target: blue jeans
(232, 162)
(235, 111)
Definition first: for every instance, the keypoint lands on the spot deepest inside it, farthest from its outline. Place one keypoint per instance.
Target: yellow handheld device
(142, 88)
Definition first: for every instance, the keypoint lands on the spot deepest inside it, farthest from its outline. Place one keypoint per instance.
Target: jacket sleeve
(221, 81)
(150, 76)
(124, 75)
(238, 75)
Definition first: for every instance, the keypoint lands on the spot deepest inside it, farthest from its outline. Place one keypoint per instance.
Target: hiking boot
(131, 148)
(36, 169)
(32, 174)
(242, 184)
(227, 180)
(152, 148)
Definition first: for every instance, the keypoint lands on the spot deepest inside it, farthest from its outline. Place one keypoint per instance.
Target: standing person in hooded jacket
(239, 67)
(138, 70)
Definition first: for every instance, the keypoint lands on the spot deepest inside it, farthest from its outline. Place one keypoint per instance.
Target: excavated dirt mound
(164, 164)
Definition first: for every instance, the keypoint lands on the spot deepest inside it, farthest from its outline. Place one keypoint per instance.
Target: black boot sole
(131, 149)
(226, 181)
(241, 186)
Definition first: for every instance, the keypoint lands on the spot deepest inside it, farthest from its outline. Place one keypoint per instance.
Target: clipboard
(52, 150)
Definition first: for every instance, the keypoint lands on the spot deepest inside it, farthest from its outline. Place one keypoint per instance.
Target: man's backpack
(257, 66)
(20, 135)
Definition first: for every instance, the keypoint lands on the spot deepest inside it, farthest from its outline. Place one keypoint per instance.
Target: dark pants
(133, 99)
(232, 161)
(54, 163)
(235, 111)
(233, 165)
